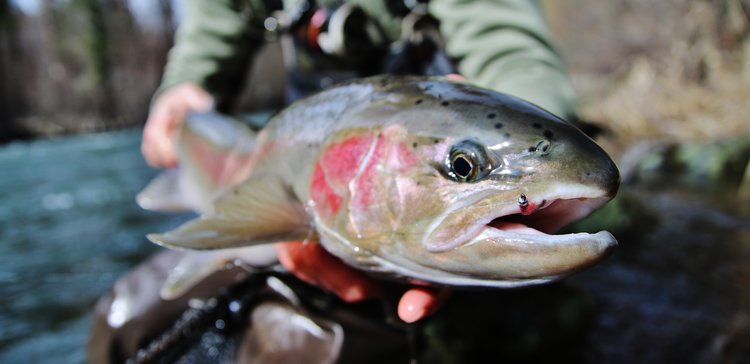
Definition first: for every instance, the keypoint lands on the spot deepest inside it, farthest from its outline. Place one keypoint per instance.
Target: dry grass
(699, 92)
(663, 71)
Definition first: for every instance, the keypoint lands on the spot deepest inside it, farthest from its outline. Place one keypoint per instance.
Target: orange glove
(312, 264)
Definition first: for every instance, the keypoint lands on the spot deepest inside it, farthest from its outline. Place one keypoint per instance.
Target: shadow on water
(675, 291)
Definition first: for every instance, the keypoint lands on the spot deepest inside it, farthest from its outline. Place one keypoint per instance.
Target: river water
(676, 290)
(68, 228)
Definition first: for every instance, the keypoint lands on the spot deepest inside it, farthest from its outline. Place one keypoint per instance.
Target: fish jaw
(507, 245)
(569, 202)
(524, 260)
(518, 252)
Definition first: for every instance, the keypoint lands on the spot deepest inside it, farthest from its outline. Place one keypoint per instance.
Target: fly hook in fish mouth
(523, 201)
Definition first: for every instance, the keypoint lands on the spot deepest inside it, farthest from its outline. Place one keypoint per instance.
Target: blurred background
(80, 65)
(668, 82)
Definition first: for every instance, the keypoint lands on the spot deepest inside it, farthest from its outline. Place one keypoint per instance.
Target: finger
(349, 284)
(157, 149)
(150, 148)
(419, 302)
(289, 256)
(196, 98)
(455, 77)
(312, 264)
(157, 145)
(165, 147)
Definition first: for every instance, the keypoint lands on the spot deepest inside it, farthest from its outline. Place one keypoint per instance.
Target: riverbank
(35, 127)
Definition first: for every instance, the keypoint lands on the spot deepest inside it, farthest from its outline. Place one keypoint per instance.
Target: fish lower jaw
(519, 235)
(523, 256)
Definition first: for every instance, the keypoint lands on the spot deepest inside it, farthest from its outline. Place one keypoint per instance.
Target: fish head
(491, 178)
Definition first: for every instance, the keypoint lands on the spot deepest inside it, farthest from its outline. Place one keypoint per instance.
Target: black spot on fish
(414, 145)
(507, 135)
(588, 174)
(445, 103)
(491, 115)
(436, 141)
(419, 101)
(419, 183)
(548, 134)
(384, 83)
(532, 149)
(498, 125)
(537, 125)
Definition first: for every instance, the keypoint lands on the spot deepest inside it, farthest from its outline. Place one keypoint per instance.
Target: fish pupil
(462, 167)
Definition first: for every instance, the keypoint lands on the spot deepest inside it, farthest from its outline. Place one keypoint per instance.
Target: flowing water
(68, 228)
(676, 290)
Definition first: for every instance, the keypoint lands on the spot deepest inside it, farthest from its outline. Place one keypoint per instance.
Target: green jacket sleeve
(213, 46)
(505, 45)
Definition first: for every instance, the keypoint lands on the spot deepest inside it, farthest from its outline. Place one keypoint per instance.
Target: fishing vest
(326, 42)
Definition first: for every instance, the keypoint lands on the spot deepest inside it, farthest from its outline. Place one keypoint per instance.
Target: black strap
(228, 312)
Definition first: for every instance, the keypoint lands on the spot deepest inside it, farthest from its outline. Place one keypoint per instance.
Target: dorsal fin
(261, 210)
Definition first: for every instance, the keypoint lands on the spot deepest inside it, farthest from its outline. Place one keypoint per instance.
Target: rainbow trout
(422, 179)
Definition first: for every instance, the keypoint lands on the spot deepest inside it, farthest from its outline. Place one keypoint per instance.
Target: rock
(715, 164)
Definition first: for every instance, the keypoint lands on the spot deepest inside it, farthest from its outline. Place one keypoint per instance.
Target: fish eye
(466, 162)
(543, 147)
(463, 166)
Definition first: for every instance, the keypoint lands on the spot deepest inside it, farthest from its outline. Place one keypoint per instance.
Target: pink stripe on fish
(333, 171)
(353, 163)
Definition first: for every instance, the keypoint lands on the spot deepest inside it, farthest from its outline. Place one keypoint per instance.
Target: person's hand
(165, 118)
(455, 77)
(312, 264)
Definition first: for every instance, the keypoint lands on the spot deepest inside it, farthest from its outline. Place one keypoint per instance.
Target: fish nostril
(543, 147)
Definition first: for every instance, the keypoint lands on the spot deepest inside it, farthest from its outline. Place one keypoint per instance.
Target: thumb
(420, 302)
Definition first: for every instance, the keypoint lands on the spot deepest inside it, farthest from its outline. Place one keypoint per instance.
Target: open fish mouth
(522, 245)
(515, 245)
(545, 217)
(536, 216)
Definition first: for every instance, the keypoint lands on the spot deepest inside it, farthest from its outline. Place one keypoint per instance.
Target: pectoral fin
(260, 210)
